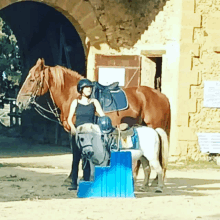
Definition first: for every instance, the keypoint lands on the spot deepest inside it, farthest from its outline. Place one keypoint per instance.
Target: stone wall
(207, 65)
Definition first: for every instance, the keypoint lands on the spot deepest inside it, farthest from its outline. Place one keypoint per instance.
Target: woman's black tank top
(84, 114)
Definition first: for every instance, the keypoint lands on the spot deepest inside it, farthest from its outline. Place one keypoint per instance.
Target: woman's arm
(98, 108)
(70, 117)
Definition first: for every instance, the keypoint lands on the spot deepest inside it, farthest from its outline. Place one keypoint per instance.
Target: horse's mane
(58, 73)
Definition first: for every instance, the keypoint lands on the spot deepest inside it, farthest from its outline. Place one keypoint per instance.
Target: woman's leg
(75, 165)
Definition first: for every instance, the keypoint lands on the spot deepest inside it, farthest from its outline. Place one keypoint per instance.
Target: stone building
(172, 45)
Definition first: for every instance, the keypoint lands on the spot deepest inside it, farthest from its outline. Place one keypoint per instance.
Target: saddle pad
(119, 102)
(135, 142)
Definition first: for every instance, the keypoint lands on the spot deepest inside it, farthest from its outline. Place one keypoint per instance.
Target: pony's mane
(58, 73)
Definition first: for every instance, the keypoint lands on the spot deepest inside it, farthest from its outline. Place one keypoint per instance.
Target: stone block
(215, 36)
(182, 148)
(4, 3)
(51, 3)
(183, 119)
(216, 49)
(96, 34)
(212, 23)
(81, 10)
(186, 134)
(185, 63)
(190, 49)
(188, 5)
(196, 92)
(89, 22)
(67, 5)
(188, 78)
(187, 34)
(191, 19)
(185, 104)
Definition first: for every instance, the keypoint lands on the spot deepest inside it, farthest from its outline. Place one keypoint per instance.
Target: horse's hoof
(158, 190)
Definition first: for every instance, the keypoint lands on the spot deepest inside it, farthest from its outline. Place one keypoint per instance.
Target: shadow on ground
(181, 186)
(20, 147)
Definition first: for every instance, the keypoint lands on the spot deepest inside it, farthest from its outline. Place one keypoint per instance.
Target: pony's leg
(136, 166)
(147, 171)
(156, 165)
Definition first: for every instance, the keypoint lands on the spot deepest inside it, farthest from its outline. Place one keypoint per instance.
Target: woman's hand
(73, 130)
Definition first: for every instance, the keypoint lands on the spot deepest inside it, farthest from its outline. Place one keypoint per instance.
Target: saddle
(129, 136)
(111, 97)
(112, 86)
(125, 131)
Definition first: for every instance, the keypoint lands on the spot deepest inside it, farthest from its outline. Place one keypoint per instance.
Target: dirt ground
(32, 187)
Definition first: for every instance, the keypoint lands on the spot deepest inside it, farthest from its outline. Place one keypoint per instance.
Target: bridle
(85, 157)
(38, 88)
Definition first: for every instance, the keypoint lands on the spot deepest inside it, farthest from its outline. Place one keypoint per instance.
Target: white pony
(88, 139)
(152, 150)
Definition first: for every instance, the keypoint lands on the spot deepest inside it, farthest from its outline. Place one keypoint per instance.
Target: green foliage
(10, 60)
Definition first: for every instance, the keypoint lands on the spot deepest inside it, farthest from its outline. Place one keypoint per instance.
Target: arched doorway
(43, 32)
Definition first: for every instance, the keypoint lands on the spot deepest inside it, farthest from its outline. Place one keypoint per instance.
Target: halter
(39, 109)
(84, 157)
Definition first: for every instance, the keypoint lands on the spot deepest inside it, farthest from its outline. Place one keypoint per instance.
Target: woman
(84, 108)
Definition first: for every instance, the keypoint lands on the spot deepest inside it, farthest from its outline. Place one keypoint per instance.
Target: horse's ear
(38, 61)
(42, 63)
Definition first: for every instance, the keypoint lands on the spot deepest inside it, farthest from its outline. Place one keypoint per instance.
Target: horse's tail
(164, 149)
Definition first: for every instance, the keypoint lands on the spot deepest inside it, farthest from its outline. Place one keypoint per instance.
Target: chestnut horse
(145, 105)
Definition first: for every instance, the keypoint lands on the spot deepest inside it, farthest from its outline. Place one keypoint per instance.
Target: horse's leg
(156, 165)
(147, 171)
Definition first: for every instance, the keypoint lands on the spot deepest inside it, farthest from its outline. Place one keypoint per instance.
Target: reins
(39, 109)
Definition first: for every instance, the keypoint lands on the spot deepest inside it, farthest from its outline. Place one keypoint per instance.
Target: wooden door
(131, 65)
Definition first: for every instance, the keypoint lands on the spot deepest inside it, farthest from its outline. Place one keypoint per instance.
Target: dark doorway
(43, 32)
(158, 75)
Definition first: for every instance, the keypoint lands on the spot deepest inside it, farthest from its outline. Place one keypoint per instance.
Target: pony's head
(88, 139)
(34, 85)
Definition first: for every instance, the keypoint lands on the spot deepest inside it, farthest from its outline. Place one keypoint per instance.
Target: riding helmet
(83, 83)
(105, 124)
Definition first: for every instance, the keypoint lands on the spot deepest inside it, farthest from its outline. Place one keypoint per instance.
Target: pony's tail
(164, 148)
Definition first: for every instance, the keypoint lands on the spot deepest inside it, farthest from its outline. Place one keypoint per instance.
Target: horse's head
(88, 139)
(34, 85)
